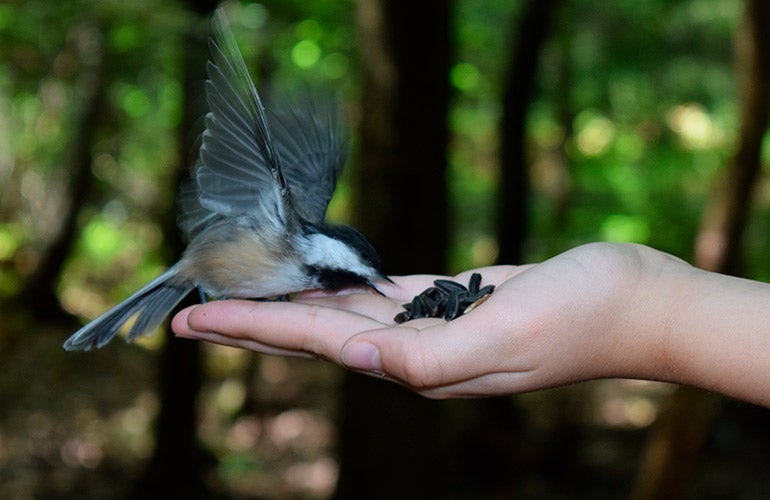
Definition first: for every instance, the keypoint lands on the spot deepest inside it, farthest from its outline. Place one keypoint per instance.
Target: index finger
(278, 326)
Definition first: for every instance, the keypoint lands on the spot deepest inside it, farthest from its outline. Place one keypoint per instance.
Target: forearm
(708, 330)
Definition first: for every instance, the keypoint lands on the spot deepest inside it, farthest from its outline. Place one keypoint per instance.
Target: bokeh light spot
(305, 53)
(465, 76)
(625, 228)
(595, 135)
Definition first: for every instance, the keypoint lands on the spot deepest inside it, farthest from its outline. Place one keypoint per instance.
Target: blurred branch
(675, 443)
(718, 245)
(38, 292)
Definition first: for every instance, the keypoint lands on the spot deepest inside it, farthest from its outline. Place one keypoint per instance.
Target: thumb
(420, 358)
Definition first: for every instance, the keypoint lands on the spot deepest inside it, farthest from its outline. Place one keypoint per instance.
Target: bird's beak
(371, 285)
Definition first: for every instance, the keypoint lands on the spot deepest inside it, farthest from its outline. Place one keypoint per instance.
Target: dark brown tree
(391, 443)
(400, 193)
(532, 32)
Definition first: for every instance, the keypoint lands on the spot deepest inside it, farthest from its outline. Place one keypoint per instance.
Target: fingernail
(362, 356)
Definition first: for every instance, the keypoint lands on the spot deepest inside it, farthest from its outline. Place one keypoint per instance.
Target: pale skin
(600, 310)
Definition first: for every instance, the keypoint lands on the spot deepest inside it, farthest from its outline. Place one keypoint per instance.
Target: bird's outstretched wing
(192, 217)
(275, 165)
(311, 141)
(238, 172)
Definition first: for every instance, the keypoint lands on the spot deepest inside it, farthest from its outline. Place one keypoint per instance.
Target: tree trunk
(391, 442)
(513, 224)
(400, 198)
(676, 441)
(38, 294)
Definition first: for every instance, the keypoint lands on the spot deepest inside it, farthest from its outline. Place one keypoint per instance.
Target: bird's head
(340, 256)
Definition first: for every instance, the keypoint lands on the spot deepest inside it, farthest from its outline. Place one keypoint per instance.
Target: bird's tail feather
(149, 306)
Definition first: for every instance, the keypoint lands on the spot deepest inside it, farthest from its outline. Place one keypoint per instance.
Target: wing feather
(251, 160)
(238, 172)
(311, 141)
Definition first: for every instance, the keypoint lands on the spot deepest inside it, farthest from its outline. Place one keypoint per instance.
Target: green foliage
(291, 41)
(634, 117)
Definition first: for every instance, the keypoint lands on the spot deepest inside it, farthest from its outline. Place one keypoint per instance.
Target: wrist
(614, 328)
(647, 310)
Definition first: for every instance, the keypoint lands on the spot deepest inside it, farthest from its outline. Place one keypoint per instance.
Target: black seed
(428, 294)
(418, 308)
(449, 286)
(448, 299)
(435, 293)
(466, 302)
(452, 307)
(474, 283)
(477, 303)
(465, 294)
(484, 291)
(431, 305)
(402, 317)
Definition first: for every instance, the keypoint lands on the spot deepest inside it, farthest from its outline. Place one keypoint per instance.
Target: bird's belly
(241, 267)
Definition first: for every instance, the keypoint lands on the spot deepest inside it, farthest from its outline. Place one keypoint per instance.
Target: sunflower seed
(452, 307)
(449, 286)
(434, 302)
(402, 317)
(477, 303)
(448, 299)
(418, 307)
(486, 290)
(474, 283)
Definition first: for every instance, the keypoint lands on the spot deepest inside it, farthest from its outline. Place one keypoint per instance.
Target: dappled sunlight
(630, 403)
(484, 251)
(244, 434)
(594, 135)
(305, 53)
(612, 404)
(465, 76)
(694, 126)
(224, 361)
(635, 412)
(318, 477)
(229, 397)
(625, 228)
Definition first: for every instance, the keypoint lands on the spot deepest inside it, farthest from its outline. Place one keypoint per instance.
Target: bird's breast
(239, 262)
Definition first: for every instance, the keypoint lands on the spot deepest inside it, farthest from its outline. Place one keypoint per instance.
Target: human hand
(548, 324)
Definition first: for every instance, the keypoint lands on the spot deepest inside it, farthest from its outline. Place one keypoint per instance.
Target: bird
(254, 208)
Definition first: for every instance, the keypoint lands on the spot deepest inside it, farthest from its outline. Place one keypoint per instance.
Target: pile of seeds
(446, 299)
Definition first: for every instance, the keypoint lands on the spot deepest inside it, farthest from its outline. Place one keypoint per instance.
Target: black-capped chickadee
(254, 209)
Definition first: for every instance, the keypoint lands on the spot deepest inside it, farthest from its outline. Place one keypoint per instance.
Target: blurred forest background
(485, 131)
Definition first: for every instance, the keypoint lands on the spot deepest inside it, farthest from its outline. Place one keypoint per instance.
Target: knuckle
(422, 369)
